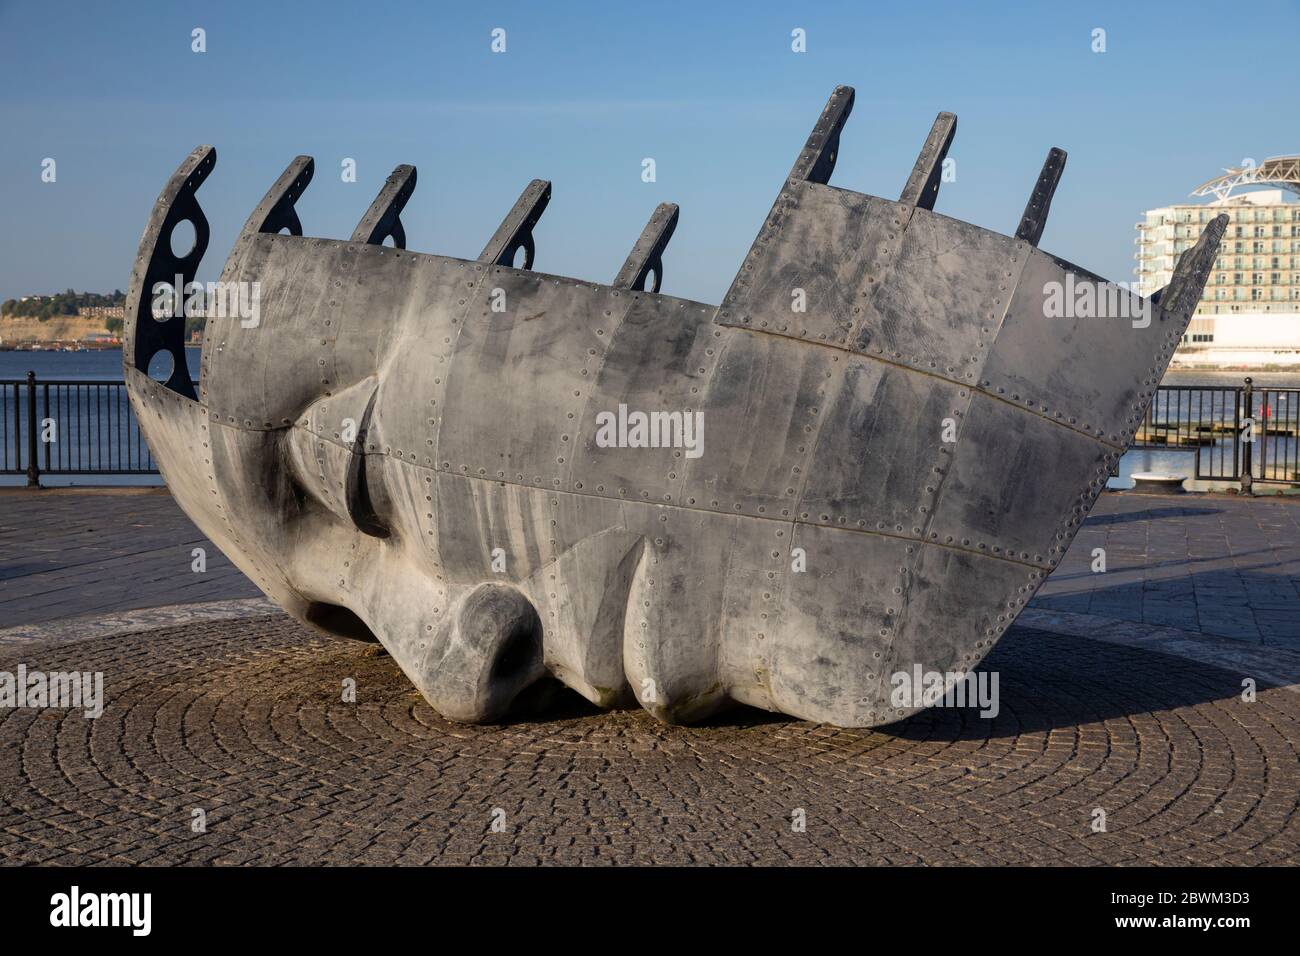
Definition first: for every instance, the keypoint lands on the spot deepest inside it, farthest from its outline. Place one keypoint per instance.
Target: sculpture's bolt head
(488, 653)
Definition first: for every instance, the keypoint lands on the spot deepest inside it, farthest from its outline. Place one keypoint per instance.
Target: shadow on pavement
(1151, 514)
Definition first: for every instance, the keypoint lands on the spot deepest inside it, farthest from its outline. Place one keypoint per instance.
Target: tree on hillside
(68, 302)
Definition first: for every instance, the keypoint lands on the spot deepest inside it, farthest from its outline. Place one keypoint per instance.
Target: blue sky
(585, 91)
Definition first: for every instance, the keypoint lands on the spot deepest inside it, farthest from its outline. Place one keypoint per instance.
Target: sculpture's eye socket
(337, 462)
(365, 481)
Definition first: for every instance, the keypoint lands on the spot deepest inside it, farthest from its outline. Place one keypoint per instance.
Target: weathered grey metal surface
(898, 442)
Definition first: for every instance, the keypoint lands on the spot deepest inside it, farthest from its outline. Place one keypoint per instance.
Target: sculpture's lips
(899, 443)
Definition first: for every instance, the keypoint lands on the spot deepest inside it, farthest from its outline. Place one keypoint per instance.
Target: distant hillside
(61, 328)
(69, 302)
(66, 316)
(69, 316)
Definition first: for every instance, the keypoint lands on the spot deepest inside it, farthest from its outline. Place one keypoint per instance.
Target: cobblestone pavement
(244, 721)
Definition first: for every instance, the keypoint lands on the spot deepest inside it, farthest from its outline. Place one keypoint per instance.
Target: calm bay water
(1229, 379)
(100, 365)
(106, 365)
(110, 410)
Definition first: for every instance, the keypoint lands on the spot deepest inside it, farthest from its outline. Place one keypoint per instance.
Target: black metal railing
(65, 427)
(1239, 433)
(1206, 420)
(1276, 416)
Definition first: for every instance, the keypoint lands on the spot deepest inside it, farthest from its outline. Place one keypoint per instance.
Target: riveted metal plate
(958, 605)
(661, 358)
(1014, 475)
(584, 625)
(814, 267)
(940, 307)
(1080, 350)
(545, 348)
(753, 611)
(674, 612)
(881, 451)
(432, 298)
(763, 411)
(840, 616)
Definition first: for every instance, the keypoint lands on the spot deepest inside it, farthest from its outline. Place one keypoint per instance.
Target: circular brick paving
(244, 720)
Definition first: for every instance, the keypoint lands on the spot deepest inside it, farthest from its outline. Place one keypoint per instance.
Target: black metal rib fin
(384, 217)
(647, 255)
(1034, 220)
(817, 160)
(276, 212)
(516, 230)
(1184, 290)
(923, 185)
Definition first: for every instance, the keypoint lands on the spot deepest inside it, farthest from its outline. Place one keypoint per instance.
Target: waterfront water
(113, 439)
(1231, 379)
(99, 365)
(106, 365)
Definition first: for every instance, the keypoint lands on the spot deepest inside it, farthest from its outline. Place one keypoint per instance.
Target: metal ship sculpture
(897, 447)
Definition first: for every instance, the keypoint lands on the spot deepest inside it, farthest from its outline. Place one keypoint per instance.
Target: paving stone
(243, 719)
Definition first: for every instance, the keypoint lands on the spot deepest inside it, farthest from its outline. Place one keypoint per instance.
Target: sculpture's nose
(490, 650)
